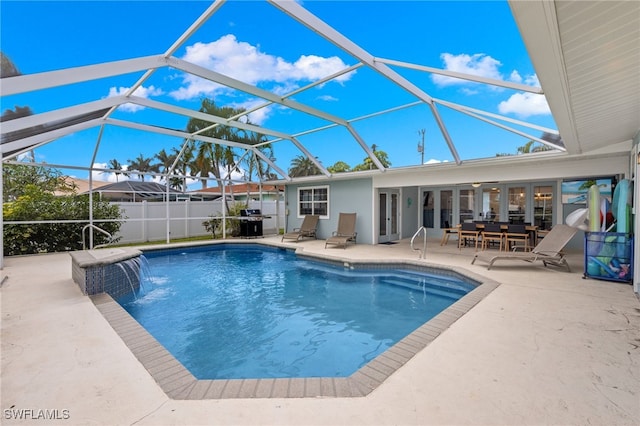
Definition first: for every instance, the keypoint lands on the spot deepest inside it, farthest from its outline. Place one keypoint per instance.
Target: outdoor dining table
(446, 232)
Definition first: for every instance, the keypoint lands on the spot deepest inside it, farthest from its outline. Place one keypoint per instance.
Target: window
(491, 204)
(543, 207)
(313, 201)
(428, 206)
(517, 204)
(467, 202)
(446, 209)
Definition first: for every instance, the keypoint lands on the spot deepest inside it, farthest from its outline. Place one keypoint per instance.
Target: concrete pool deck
(545, 347)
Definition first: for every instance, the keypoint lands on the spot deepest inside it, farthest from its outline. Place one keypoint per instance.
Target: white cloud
(435, 161)
(143, 92)
(515, 77)
(478, 64)
(259, 116)
(525, 105)
(245, 62)
(328, 98)
(107, 176)
(532, 80)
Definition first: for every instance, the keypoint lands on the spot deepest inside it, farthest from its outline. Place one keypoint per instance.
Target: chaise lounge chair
(306, 230)
(346, 231)
(548, 250)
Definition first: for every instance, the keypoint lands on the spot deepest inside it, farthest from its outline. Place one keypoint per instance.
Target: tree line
(198, 158)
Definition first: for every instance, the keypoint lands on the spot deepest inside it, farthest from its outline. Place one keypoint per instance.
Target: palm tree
(185, 162)
(142, 165)
(211, 158)
(255, 165)
(339, 167)
(303, 166)
(7, 67)
(531, 146)
(166, 161)
(117, 168)
(367, 162)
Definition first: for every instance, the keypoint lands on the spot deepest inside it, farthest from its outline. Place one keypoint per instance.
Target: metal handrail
(423, 251)
(84, 247)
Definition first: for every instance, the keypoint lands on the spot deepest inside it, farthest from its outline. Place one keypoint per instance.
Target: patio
(545, 347)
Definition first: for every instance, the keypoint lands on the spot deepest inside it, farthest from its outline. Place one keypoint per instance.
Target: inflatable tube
(605, 207)
(593, 202)
(597, 268)
(578, 219)
(622, 206)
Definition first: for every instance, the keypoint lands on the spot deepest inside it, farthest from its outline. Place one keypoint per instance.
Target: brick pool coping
(178, 383)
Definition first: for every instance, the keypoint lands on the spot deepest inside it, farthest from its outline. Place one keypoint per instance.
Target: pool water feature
(248, 311)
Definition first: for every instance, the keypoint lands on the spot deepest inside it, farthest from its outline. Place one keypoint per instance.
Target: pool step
(417, 283)
(438, 291)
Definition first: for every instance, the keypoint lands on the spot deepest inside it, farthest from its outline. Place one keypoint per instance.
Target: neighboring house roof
(130, 189)
(240, 189)
(81, 185)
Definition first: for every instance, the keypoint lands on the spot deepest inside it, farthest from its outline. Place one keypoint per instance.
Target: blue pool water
(249, 311)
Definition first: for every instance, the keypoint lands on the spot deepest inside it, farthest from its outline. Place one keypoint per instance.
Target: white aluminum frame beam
(247, 88)
(464, 76)
(46, 80)
(185, 135)
(176, 45)
(460, 107)
(60, 114)
(39, 139)
(300, 14)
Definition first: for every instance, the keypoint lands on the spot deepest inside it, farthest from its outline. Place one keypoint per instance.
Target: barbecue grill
(250, 223)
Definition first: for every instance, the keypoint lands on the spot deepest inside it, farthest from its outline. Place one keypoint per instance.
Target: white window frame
(313, 188)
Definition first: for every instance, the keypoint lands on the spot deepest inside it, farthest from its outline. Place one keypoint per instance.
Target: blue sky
(256, 43)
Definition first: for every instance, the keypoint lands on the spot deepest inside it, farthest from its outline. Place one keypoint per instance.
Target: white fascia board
(517, 168)
(45, 80)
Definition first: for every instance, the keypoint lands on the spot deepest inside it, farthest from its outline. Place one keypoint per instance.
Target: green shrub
(37, 204)
(214, 225)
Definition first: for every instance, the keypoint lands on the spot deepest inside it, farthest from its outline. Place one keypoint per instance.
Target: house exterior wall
(360, 194)
(347, 196)
(410, 211)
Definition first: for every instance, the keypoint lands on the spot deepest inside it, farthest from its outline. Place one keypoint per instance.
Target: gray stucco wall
(410, 211)
(348, 196)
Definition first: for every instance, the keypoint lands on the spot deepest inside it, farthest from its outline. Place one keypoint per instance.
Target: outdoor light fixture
(476, 184)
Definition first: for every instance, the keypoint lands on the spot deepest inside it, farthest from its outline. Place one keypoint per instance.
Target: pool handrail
(423, 251)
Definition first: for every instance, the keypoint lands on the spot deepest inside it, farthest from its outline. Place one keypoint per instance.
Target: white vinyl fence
(147, 221)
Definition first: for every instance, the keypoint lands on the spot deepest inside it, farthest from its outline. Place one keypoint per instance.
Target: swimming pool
(247, 311)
